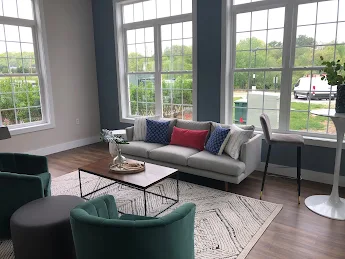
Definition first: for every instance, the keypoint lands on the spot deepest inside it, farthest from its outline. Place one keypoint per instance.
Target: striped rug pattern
(227, 225)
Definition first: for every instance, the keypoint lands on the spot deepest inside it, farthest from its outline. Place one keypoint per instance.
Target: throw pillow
(139, 132)
(157, 132)
(217, 141)
(238, 137)
(189, 138)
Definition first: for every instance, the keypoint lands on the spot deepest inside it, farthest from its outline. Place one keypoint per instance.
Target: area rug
(227, 225)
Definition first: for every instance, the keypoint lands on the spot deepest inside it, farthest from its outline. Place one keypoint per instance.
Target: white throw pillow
(238, 137)
(140, 128)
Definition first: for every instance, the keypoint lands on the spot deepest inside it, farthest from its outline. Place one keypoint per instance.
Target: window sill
(127, 120)
(31, 128)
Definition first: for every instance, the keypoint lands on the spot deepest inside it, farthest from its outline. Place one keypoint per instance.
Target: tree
(303, 40)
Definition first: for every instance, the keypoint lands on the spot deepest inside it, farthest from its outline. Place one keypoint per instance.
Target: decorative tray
(128, 168)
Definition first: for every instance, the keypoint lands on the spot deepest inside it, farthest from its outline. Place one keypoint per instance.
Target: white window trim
(228, 65)
(121, 56)
(43, 71)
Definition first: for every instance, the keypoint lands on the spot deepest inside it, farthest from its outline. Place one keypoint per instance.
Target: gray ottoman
(41, 228)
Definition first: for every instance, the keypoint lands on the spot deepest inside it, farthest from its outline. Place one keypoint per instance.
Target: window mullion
(288, 60)
(158, 69)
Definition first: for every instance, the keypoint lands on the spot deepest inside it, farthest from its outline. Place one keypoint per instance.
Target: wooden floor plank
(295, 233)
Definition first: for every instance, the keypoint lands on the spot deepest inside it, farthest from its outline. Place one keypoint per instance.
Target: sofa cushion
(221, 164)
(173, 154)
(157, 132)
(238, 137)
(214, 125)
(193, 125)
(139, 148)
(189, 138)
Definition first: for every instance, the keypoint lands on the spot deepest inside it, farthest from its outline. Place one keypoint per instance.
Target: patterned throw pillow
(157, 131)
(140, 128)
(217, 141)
(238, 137)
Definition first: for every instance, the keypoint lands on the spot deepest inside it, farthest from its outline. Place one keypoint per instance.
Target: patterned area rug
(227, 225)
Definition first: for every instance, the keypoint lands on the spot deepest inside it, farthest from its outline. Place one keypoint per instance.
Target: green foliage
(333, 72)
(16, 95)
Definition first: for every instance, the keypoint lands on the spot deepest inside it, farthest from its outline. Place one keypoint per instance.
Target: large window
(21, 96)
(155, 58)
(275, 66)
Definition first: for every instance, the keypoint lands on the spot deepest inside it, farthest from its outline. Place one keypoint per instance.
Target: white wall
(74, 83)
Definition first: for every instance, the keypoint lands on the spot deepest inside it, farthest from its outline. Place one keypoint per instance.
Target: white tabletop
(119, 132)
(328, 113)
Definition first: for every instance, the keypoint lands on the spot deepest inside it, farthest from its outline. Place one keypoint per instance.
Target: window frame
(287, 69)
(42, 70)
(121, 57)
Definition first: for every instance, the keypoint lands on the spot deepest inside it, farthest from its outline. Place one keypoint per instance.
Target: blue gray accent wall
(103, 23)
(209, 23)
(209, 35)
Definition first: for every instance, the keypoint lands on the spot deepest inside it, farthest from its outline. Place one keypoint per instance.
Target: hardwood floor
(295, 233)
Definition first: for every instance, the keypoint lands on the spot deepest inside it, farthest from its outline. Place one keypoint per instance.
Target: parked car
(314, 88)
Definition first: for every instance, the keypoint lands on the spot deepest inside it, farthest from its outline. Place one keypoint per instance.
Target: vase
(119, 160)
(340, 99)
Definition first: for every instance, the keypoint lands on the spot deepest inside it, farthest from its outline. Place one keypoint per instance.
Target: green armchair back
(99, 232)
(23, 178)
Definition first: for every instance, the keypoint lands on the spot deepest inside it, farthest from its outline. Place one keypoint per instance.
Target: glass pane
(309, 9)
(325, 33)
(6, 101)
(274, 58)
(130, 36)
(128, 13)
(166, 32)
(176, 7)
(276, 18)
(25, 10)
(176, 30)
(166, 48)
(12, 33)
(5, 85)
(21, 100)
(36, 114)
(10, 8)
(341, 7)
(243, 59)
(138, 12)
(305, 36)
(163, 8)
(341, 33)
(149, 10)
(27, 50)
(150, 49)
(139, 35)
(187, 6)
(258, 58)
(8, 117)
(340, 52)
(3, 65)
(298, 120)
(187, 46)
(304, 57)
(326, 51)
(149, 34)
(243, 21)
(237, 2)
(275, 38)
(187, 112)
(259, 39)
(187, 30)
(140, 49)
(327, 11)
(25, 34)
(23, 116)
(176, 47)
(34, 98)
(259, 20)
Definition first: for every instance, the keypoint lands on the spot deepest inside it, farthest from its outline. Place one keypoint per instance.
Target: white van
(316, 89)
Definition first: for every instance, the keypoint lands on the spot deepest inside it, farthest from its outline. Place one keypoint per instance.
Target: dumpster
(240, 111)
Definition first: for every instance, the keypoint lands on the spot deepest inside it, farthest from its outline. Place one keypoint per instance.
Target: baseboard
(64, 146)
(306, 174)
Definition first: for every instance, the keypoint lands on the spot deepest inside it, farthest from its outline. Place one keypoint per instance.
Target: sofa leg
(226, 184)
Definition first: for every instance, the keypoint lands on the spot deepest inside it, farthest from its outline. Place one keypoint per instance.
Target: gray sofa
(193, 161)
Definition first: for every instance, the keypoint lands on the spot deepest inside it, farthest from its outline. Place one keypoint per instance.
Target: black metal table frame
(134, 186)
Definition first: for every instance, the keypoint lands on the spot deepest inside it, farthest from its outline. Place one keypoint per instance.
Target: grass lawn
(299, 116)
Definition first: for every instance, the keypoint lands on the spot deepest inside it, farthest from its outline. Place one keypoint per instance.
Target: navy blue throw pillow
(217, 141)
(157, 131)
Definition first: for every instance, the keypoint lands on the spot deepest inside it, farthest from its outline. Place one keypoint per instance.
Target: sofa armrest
(129, 133)
(251, 153)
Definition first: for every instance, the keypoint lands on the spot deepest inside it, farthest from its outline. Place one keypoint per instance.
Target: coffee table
(152, 175)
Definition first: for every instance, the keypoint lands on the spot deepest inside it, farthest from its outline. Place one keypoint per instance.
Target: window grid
(20, 97)
(179, 62)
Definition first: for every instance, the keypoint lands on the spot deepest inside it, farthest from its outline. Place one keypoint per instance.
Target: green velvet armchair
(99, 232)
(23, 178)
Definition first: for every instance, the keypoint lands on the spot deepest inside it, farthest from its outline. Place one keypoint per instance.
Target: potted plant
(108, 137)
(332, 73)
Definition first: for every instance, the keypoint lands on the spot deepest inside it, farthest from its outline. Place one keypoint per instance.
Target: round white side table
(331, 206)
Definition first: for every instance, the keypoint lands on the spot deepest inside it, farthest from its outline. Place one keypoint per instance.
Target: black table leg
(145, 202)
(81, 193)
(177, 187)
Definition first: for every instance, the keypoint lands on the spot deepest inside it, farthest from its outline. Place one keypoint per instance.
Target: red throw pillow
(189, 138)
